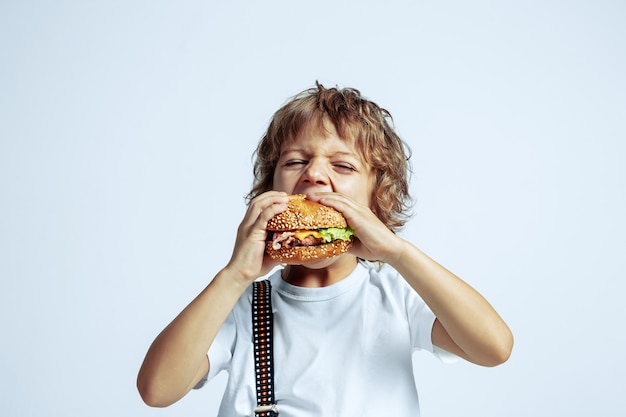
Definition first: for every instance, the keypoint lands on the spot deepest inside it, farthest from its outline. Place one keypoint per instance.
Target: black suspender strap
(262, 331)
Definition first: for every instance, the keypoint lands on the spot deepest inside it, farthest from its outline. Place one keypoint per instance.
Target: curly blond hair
(354, 117)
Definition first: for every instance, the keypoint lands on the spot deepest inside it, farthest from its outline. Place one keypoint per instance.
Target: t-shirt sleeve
(422, 319)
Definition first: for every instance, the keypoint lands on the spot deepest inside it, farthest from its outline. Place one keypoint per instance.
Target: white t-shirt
(342, 350)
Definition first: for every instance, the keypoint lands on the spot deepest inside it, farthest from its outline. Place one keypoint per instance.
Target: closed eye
(295, 162)
(345, 167)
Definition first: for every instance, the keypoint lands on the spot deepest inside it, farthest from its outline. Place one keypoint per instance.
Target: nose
(315, 174)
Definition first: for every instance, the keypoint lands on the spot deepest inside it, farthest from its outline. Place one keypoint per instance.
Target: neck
(316, 275)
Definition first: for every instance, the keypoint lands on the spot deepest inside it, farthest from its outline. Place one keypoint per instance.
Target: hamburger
(307, 231)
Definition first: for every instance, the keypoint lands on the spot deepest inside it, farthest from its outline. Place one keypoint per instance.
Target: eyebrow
(339, 153)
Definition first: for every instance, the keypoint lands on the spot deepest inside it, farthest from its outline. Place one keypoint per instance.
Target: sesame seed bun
(303, 214)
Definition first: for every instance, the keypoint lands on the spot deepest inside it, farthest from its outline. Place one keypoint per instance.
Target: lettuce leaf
(335, 233)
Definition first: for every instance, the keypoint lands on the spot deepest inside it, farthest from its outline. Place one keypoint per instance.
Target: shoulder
(393, 289)
(386, 281)
(385, 277)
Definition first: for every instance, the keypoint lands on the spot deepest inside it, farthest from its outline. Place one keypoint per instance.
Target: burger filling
(292, 238)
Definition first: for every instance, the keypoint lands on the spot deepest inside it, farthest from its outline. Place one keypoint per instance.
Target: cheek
(280, 183)
(361, 191)
(369, 184)
(370, 190)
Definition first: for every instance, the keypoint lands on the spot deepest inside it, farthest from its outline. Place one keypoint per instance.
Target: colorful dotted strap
(262, 331)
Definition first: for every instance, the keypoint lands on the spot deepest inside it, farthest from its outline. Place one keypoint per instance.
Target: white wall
(125, 125)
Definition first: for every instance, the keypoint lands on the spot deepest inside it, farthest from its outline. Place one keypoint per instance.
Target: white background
(126, 134)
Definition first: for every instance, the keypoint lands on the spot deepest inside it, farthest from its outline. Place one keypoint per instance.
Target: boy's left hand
(374, 241)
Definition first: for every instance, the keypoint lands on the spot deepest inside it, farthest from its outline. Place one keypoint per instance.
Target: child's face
(321, 161)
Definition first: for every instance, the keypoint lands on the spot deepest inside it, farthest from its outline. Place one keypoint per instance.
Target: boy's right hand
(248, 260)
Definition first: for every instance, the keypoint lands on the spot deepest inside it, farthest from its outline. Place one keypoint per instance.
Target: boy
(344, 328)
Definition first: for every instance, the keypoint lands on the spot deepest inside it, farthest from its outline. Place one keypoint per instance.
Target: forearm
(178, 354)
(468, 322)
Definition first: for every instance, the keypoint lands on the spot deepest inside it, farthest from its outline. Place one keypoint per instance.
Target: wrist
(397, 252)
(235, 278)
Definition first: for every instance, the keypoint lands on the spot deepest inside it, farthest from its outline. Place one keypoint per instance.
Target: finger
(262, 208)
(335, 200)
(275, 204)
